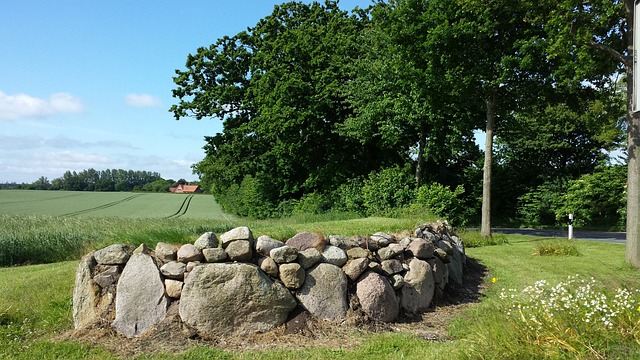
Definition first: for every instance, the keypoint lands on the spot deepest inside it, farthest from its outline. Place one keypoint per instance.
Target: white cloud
(25, 106)
(142, 100)
(58, 142)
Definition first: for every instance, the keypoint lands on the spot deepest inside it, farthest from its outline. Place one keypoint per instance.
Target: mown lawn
(35, 305)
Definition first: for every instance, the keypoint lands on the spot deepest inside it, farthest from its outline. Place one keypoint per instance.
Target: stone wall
(235, 284)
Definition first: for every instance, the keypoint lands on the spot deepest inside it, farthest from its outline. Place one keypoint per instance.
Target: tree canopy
(371, 109)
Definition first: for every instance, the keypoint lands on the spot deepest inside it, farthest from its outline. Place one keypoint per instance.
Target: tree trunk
(485, 227)
(633, 139)
(422, 144)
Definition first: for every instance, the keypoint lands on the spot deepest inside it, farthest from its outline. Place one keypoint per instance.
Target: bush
(249, 199)
(538, 207)
(595, 200)
(474, 239)
(348, 197)
(313, 203)
(598, 199)
(441, 201)
(386, 190)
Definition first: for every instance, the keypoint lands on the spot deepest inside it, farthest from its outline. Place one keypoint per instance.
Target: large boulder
(421, 248)
(309, 257)
(173, 270)
(419, 287)
(303, 241)
(207, 240)
(292, 275)
(269, 266)
(238, 298)
(188, 253)
(456, 265)
(239, 250)
(166, 252)
(264, 244)
(355, 267)
(140, 301)
(390, 251)
(377, 297)
(214, 255)
(284, 254)
(239, 233)
(343, 242)
(324, 292)
(334, 255)
(88, 306)
(116, 254)
(382, 239)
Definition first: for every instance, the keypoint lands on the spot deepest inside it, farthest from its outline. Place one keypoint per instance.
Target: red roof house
(189, 189)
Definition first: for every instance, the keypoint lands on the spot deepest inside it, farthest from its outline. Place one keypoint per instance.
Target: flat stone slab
(140, 301)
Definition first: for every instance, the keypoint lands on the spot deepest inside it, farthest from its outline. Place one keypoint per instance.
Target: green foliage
(537, 207)
(348, 197)
(311, 204)
(596, 200)
(442, 202)
(388, 189)
(556, 248)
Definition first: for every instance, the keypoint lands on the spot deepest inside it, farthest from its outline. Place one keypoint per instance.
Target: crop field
(108, 204)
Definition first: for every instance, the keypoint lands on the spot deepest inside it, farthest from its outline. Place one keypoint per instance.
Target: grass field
(108, 204)
(593, 315)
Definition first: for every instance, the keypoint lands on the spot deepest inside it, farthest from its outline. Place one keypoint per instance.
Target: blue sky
(87, 84)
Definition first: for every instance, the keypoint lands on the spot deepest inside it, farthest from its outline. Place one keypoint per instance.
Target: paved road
(611, 237)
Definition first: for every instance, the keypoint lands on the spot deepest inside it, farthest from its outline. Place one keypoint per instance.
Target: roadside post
(570, 226)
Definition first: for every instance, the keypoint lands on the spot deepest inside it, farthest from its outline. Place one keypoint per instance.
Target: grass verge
(35, 306)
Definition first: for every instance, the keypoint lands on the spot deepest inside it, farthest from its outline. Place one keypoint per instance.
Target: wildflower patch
(574, 317)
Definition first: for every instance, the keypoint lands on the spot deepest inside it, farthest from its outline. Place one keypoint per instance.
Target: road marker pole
(570, 226)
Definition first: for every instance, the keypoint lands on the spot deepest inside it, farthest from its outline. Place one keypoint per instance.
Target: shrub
(596, 200)
(386, 190)
(348, 197)
(441, 201)
(313, 203)
(538, 207)
(250, 198)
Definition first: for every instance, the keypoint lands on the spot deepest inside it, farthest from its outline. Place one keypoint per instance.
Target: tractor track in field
(101, 207)
(183, 208)
(41, 200)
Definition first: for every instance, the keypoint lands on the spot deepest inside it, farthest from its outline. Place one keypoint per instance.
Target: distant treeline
(101, 180)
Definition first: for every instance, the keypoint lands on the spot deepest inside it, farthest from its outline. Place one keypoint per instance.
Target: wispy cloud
(58, 142)
(142, 100)
(26, 106)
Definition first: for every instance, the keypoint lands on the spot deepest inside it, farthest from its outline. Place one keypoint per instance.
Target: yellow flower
(493, 280)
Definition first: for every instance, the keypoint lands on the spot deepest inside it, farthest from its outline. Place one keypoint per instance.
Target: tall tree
(598, 35)
(401, 95)
(278, 90)
(500, 63)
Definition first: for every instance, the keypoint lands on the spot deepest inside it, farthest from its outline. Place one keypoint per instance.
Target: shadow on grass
(455, 296)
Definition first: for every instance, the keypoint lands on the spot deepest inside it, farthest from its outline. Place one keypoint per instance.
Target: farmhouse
(185, 189)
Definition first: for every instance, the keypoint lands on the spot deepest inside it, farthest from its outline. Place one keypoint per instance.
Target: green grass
(557, 247)
(108, 204)
(35, 300)
(29, 321)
